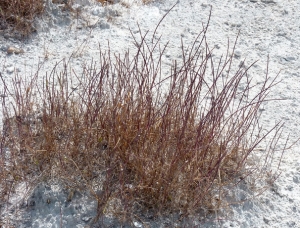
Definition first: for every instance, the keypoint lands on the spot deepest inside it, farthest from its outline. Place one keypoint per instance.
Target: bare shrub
(161, 143)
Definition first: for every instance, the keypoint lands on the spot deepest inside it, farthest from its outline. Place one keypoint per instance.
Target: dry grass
(105, 2)
(20, 13)
(160, 143)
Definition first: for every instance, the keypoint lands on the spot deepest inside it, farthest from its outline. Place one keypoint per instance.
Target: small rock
(137, 224)
(291, 223)
(104, 25)
(92, 23)
(266, 220)
(3, 48)
(82, 2)
(237, 54)
(281, 33)
(113, 13)
(289, 58)
(238, 25)
(79, 26)
(23, 204)
(268, 1)
(96, 11)
(7, 36)
(10, 70)
(59, 1)
(294, 209)
(86, 218)
(289, 188)
(14, 50)
(217, 46)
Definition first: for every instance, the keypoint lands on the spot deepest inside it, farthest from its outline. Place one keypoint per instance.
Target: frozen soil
(268, 28)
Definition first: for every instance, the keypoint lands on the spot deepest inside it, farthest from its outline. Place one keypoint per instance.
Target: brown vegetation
(125, 131)
(20, 14)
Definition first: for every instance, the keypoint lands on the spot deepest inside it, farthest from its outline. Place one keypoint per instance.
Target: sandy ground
(267, 28)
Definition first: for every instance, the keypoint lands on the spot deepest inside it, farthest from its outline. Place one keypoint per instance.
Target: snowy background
(267, 28)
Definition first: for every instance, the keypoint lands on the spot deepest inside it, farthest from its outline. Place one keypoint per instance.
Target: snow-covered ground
(267, 28)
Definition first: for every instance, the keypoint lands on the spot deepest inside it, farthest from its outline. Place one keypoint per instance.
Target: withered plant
(20, 14)
(128, 132)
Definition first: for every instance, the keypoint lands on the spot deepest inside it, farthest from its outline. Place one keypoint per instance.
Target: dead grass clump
(105, 2)
(160, 143)
(20, 13)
